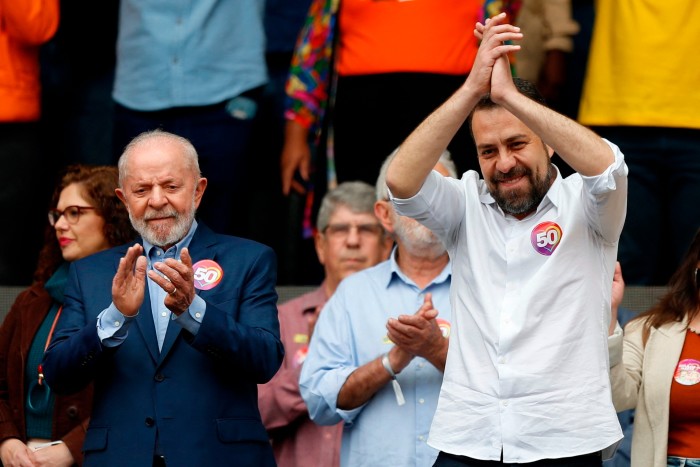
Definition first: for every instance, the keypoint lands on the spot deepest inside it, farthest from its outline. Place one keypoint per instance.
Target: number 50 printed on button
(207, 274)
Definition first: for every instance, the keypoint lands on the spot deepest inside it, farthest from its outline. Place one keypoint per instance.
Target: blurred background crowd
(78, 79)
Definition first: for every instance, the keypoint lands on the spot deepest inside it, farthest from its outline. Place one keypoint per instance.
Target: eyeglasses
(71, 213)
(338, 231)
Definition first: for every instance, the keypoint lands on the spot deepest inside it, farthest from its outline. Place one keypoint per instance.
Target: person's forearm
(438, 357)
(582, 149)
(362, 384)
(420, 152)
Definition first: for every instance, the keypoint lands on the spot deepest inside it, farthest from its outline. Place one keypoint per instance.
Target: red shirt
(296, 440)
(684, 411)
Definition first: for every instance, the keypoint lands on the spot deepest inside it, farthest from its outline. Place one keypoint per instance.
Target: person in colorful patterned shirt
(371, 71)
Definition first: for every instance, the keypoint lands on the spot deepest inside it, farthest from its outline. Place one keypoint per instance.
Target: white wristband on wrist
(394, 383)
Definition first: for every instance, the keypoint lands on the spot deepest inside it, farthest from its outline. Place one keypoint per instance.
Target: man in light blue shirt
(195, 68)
(375, 364)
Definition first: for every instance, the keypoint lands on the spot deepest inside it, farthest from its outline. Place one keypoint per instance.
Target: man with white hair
(374, 362)
(349, 238)
(175, 331)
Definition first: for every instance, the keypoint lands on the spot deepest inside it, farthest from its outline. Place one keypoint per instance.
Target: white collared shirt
(527, 367)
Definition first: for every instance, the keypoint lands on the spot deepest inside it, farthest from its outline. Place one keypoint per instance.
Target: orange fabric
(684, 411)
(24, 26)
(386, 36)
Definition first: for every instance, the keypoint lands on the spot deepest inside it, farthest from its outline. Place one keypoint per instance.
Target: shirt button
(159, 253)
(501, 361)
(164, 314)
(421, 365)
(505, 403)
(421, 401)
(149, 421)
(116, 324)
(197, 315)
(421, 438)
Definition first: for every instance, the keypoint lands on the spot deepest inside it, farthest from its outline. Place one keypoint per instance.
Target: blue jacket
(199, 393)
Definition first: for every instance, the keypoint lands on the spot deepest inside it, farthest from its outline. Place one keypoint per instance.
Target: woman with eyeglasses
(660, 371)
(36, 426)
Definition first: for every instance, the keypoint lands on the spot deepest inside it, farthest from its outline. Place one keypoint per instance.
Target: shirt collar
(176, 249)
(395, 272)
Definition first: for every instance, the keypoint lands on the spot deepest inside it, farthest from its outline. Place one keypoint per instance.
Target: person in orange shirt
(24, 26)
(371, 71)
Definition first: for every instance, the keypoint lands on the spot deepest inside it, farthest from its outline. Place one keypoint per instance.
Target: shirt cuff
(113, 326)
(416, 204)
(192, 319)
(606, 182)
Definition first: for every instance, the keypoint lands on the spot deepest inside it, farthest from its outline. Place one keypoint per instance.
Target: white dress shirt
(527, 367)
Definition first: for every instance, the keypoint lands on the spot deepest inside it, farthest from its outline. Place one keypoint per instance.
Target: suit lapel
(201, 247)
(664, 351)
(147, 327)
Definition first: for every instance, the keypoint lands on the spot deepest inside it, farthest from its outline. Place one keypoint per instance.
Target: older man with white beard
(175, 331)
(376, 363)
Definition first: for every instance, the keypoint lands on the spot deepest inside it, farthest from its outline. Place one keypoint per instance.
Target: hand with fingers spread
(419, 334)
(129, 282)
(177, 279)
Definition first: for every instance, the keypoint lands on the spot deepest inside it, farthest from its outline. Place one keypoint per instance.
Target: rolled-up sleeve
(328, 365)
(606, 198)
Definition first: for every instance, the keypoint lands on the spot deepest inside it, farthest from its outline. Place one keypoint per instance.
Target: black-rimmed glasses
(71, 213)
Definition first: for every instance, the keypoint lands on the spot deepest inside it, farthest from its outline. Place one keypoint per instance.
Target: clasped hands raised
(491, 70)
(417, 335)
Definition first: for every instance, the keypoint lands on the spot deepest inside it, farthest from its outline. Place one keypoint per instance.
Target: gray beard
(162, 237)
(416, 238)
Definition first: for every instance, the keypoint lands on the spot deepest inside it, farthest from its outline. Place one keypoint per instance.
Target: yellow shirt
(643, 68)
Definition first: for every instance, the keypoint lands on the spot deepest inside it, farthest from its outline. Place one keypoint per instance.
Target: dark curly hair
(683, 296)
(97, 185)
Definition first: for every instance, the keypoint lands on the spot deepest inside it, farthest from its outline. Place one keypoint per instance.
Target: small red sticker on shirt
(207, 274)
(687, 372)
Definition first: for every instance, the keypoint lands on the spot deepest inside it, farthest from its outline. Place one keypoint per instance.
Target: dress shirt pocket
(233, 430)
(96, 439)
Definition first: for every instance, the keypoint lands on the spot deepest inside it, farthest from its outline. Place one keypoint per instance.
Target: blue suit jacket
(200, 392)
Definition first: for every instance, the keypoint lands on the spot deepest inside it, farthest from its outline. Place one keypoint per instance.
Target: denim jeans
(674, 461)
